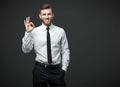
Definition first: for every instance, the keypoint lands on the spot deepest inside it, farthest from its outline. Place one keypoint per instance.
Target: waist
(47, 65)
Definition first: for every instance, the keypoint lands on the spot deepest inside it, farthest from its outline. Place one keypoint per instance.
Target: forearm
(27, 43)
(65, 59)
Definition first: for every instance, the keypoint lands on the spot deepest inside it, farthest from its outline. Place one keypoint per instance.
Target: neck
(47, 25)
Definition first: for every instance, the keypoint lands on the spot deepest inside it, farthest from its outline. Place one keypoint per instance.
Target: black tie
(49, 47)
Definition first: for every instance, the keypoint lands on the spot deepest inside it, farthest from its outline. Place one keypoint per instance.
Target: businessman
(51, 47)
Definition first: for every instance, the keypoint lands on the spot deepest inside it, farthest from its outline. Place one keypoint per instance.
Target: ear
(40, 16)
(53, 14)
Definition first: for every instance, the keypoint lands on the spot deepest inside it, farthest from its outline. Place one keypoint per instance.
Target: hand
(29, 26)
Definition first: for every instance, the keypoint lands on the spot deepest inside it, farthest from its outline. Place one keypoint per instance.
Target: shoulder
(60, 29)
(36, 29)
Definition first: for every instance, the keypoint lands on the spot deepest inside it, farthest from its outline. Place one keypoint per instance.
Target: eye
(49, 14)
(44, 14)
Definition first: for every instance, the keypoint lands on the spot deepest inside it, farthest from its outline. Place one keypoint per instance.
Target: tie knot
(47, 28)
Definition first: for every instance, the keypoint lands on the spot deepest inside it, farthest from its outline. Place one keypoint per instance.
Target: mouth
(47, 20)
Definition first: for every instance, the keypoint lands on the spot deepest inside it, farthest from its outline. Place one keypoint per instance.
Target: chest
(40, 37)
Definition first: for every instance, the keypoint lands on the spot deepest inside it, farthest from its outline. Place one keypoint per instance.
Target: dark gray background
(93, 31)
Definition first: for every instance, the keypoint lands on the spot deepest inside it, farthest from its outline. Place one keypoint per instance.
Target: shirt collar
(44, 26)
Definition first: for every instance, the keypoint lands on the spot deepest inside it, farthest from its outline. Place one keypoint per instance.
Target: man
(51, 48)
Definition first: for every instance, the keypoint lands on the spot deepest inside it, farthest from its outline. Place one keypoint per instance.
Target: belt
(47, 65)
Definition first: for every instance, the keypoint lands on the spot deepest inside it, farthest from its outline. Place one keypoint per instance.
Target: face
(46, 16)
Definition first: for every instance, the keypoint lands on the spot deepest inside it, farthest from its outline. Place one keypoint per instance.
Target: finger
(25, 22)
(28, 19)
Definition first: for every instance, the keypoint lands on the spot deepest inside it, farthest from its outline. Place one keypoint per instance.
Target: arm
(27, 42)
(65, 52)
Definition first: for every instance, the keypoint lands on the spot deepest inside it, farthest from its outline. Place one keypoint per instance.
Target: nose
(46, 16)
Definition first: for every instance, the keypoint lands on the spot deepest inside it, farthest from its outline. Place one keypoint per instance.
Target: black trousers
(54, 76)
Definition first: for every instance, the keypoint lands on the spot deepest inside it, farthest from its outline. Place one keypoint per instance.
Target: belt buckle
(46, 65)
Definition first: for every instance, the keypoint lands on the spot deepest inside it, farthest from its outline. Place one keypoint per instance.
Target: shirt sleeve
(27, 43)
(65, 52)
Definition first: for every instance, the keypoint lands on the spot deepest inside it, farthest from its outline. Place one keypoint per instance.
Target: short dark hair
(45, 6)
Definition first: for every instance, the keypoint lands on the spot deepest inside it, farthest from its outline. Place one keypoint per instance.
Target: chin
(47, 24)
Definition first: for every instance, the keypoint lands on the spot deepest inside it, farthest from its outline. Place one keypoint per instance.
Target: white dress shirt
(59, 45)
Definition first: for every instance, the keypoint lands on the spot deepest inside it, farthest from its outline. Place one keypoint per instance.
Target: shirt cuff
(64, 68)
(26, 34)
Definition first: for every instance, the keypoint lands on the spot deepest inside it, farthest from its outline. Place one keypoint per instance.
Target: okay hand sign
(29, 26)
